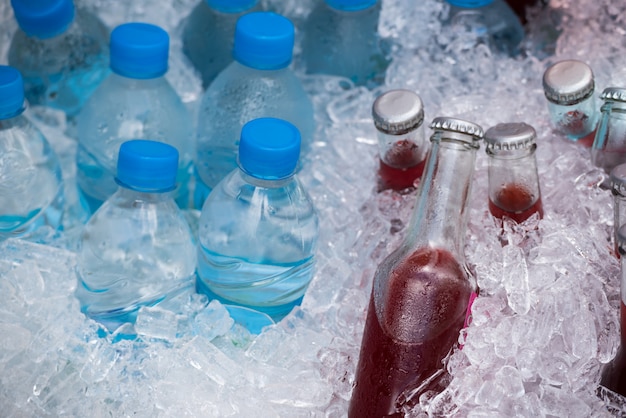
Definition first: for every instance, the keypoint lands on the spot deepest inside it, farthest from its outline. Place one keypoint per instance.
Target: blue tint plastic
(470, 4)
(264, 40)
(231, 6)
(11, 92)
(139, 50)
(43, 18)
(147, 166)
(269, 148)
(350, 5)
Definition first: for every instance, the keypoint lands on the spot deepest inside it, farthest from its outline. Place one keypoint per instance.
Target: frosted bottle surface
(618, 190)
(340, 37)
(569, 86)
(421, 291)
(258, 229)
(398, 117)
(259, 83)
(514, 190)
(208, 34)
(137, 249)
(134, 102)
(61, 51)
(31, 189)
(609, 145)
(492, 19)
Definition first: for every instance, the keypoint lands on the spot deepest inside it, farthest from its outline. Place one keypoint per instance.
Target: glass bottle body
(421, 291)
(257, 240)
(402, 159)
(609, 146)
(123, 109)
(577, 121)
(63, 71)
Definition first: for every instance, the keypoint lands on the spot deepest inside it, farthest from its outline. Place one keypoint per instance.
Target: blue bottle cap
(231, 6)
(470, 4)
(43, 18)
(147, 166)
(11, 92)
(263, 40)
(139, 50)
(269, 148)
(350, 5)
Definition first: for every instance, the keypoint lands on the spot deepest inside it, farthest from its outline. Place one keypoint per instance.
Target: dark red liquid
(516, 202)
(421, 314)
(401, 166)
(575, 124)
(614, 373)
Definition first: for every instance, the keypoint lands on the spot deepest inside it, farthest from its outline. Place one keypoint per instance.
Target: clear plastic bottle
(492, 19)
(134, 102)
(609, 145)
(259, 83)
(258, 229)
(613, 375)
(618, 189)
(61, 51)
(208, 34)
(422, 291)
(31, 186)
(568, 86)
(402, 147)
(340, 37)
(137, 249)
(514, 190)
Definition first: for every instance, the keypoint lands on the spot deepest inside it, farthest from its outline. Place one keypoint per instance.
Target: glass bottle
(340, 37)
(137, 249)
(613, 376)
(61, 50)
(609, 145)
(513, 178)
(208, 34)
(618, 189)
(258, 229)
(31, 186)
(568, 86)
(398, 117)
(421, 291)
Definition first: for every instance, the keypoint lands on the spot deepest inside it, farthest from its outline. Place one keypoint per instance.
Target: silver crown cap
(398, 111)
(568, 82)
(510, 136)
(616, 94)
(618, 179)
(443, 123)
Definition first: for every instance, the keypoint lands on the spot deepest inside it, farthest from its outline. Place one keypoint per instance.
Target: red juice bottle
(398, 117)
(613, 374)
(514, 190)
(569, 86)
(421, 291)
(609, 146)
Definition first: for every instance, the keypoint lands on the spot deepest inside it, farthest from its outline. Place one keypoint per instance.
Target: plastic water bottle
(258, 229)
(259, 83)
(492, 19)
(134, 102)
(31, 192)
(208, 34)
(137, 249)
(61, 51)
(341, 38)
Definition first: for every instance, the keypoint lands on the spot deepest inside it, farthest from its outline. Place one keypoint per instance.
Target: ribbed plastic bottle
(134, 102)
(258, 229)
(259, 83)
(31, 188)
(340, 37)
(618, 189)
(61, 50)
(208, 34)
(422, 291)
(514, 190)
(493, 19)
(569, 86)
(137, 249)
(402, 147)
(609, 145)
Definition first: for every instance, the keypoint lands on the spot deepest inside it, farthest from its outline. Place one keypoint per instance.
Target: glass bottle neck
(440, 214)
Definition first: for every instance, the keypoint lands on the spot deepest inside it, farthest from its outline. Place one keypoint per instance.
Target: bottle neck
(440, 214)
